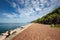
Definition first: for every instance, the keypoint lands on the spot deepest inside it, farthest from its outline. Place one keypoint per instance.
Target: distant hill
(51, 18)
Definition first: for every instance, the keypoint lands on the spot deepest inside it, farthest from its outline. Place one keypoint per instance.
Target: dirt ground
(39, 32)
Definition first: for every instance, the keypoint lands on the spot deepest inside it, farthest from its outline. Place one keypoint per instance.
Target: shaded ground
(39, 32)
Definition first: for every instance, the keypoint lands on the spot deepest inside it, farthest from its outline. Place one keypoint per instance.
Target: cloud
(30, 9)
(9, 15)
(31, 3)
(14, 5)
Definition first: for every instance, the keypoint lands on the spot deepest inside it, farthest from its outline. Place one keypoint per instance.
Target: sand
(18, 30)
(39, 32)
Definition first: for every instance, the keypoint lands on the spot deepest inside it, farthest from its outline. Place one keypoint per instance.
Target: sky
(21, 11)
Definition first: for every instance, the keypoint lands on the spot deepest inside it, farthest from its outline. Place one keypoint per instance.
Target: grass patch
(55, 25)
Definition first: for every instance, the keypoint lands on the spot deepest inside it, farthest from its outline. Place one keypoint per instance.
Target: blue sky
(20, 11)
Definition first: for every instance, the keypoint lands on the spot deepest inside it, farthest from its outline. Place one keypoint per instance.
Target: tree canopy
(51, 18)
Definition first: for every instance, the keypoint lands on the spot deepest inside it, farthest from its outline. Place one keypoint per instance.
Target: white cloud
(27, 13)
(9, 15)
(21, 1)
(29, 5)
(14, 5)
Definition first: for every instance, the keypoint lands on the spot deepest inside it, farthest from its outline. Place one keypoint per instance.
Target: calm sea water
(10, 26)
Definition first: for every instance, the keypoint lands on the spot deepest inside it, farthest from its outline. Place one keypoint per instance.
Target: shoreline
(17, 31)
(35, 31)
(13, 33)
(39, 32)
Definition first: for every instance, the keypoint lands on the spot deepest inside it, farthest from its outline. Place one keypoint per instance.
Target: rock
(5, 34)
(2, 37)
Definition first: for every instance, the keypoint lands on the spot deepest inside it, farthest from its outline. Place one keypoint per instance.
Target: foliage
(50, 18)
(56, 25)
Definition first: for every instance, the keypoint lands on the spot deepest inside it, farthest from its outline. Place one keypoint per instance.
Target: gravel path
(39, 32)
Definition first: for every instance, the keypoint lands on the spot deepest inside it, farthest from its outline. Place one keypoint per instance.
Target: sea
(10, 26)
